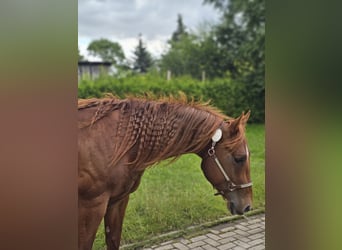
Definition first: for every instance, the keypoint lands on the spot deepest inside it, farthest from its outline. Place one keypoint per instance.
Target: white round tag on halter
(217, 136)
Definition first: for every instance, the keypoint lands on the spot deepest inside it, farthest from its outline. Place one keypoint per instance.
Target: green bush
(230, 96)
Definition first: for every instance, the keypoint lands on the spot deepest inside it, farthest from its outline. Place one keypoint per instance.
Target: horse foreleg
(90, 214)
(113, 223)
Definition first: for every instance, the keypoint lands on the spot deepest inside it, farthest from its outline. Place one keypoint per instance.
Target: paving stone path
(236, 235)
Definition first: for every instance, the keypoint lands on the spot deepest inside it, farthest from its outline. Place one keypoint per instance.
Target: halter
(231, 186)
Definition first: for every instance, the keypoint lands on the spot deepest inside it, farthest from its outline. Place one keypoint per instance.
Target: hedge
(230, 96)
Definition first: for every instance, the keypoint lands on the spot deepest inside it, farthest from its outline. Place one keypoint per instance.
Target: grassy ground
(173, 197)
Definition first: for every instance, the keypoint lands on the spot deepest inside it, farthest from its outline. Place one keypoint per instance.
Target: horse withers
(119, 138)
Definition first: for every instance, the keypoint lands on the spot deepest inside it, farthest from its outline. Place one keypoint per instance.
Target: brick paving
(236, 235)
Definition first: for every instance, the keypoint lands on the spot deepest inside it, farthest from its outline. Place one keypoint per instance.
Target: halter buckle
(211, 151)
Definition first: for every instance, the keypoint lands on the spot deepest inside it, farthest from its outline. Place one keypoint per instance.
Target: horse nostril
(247, 208)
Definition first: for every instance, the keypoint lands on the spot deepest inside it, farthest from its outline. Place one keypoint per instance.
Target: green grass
(176, 196)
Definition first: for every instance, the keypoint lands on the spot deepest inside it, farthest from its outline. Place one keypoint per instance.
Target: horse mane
(154, 129)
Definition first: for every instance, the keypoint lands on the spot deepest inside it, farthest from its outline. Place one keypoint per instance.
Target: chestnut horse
(119, 138)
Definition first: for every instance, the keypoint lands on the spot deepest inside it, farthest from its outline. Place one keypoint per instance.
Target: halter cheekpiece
(231, 186)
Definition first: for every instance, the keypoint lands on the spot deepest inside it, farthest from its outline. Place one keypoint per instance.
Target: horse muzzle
(240, 210)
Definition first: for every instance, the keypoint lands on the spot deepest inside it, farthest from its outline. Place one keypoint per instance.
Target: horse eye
(240, 159)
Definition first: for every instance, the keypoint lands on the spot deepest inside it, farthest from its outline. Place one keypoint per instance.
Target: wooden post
(168, 77)
(203, 76)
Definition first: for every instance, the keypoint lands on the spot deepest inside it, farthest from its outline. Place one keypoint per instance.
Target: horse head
(226, 164)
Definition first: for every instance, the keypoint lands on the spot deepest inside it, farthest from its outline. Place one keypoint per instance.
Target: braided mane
(151, 130)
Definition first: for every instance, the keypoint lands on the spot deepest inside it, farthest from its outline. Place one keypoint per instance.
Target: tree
(142, 58)
(181, 57)
(107, 50)
(241, 39)
(241, 35)
(180, 31)
(193, 54)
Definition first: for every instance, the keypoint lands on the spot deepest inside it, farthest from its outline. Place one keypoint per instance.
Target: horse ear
(245, 117)
(235, 123)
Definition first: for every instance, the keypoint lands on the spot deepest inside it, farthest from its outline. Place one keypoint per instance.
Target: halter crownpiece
(231, 185)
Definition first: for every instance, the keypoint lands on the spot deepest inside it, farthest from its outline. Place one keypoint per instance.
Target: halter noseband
(231, 186)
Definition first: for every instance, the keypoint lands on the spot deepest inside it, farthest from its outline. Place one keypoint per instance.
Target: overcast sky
(122, 21)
